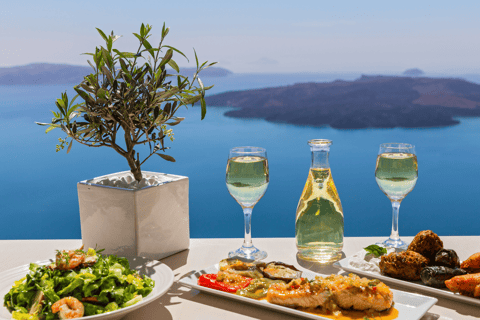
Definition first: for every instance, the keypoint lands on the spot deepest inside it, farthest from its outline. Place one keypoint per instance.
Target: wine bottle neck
(320, 158)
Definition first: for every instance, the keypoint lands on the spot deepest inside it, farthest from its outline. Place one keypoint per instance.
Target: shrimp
(69, 308)
(468, 284)
(69, 259)
(89, 261)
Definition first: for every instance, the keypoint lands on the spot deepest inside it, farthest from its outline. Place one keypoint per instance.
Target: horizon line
(265, 73)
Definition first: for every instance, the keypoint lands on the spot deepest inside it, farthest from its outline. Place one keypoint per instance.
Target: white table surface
(181, 302)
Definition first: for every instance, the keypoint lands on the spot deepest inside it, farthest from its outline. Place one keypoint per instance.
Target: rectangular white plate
(410, 306)
(417, 285)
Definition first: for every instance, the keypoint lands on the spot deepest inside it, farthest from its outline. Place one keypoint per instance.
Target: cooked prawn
(69, 308)
(69, 259)
(468, 284)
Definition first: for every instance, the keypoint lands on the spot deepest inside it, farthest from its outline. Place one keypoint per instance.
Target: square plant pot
(151, 222)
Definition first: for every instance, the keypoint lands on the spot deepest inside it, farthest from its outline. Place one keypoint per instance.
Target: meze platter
(425, 266)
(281, 287)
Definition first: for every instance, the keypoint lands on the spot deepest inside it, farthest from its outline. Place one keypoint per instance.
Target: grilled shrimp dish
(333, 292)
(468, 285)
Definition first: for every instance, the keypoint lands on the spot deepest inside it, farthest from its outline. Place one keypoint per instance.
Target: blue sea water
(38, 186)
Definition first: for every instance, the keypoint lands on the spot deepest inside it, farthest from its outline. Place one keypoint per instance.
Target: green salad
(78, 284)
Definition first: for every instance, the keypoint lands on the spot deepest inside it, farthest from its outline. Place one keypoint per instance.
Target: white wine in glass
(396, 173)
(247, 180)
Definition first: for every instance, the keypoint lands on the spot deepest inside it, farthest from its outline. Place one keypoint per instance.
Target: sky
(256, 36)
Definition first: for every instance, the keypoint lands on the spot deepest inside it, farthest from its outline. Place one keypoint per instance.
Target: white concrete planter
(152, 222)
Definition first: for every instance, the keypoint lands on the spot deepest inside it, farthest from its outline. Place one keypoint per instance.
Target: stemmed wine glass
(247, 180)
(396, 174)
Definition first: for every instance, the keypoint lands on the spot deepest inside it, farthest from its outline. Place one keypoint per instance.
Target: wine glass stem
(247, 242)
(396, 209)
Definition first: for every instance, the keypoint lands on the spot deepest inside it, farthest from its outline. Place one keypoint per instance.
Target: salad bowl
(157, 271)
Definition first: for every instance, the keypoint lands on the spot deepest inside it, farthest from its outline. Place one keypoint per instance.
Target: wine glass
(247, 180)
(396, 174)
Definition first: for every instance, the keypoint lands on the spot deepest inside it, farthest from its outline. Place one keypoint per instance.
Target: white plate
(417, 285)
(159, 272)
(410, 306)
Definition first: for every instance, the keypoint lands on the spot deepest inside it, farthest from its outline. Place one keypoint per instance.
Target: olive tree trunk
(135, 168)
(130, 155)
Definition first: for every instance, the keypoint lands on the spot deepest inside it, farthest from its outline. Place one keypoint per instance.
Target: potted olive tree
(130, 100)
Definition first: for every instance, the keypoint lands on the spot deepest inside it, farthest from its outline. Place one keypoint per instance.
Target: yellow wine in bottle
(319, 220)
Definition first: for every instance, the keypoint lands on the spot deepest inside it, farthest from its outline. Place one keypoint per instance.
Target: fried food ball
(405, 265)
(427, 243)
(472, 264)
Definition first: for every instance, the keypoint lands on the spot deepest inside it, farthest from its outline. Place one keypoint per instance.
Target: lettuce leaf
(23, 316)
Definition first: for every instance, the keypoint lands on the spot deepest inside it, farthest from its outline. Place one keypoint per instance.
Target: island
(43, 74)
(209, 72)
(367, 102)
(50, 73)
(415, 72)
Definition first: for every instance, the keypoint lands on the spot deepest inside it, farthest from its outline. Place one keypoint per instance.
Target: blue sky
(257, 36)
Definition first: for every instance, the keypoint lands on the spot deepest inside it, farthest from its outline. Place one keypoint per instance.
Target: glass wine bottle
(319, 220)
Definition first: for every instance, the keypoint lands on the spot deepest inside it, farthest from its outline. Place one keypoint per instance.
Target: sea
(39, 194)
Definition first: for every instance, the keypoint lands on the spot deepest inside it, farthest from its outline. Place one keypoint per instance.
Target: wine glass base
(248, 253)
(391, 243)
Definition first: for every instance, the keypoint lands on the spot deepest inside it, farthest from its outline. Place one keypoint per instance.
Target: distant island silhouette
(49, 73)
(368, 102)
(415, 72)
(43, 73)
